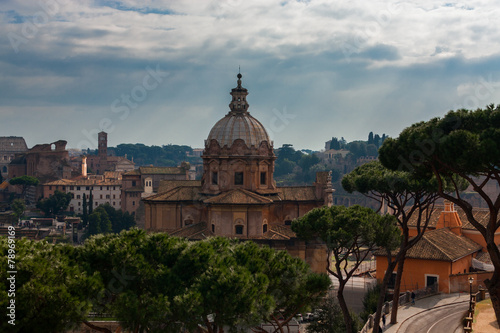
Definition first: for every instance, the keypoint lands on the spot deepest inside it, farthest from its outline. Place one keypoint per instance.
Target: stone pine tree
(347, 232)
(463, 143)
(404, 197)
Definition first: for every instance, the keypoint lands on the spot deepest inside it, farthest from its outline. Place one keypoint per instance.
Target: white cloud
(342, 66)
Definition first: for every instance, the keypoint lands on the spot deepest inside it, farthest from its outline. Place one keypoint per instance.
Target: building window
(238, 230)
(114, 203)
(263, 178)
(213, 227)
(114, 196)
(87, 188)
(108, 196)
(78, 188)
(133, 183)
(133, 203)
(71, 188)
(100, 197)
(215, 177)
(79, 203)
(50, 188)
(78, 196)
(101, 188)
(288, 222)
(264, 228)
(238, 178)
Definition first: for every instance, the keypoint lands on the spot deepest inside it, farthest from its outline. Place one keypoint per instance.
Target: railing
(403, 299)
(479, 296)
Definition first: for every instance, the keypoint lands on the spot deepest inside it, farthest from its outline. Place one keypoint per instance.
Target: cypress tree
(91, 202)
(85, 216)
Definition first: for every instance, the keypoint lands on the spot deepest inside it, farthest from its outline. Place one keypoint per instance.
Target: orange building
(444, 254)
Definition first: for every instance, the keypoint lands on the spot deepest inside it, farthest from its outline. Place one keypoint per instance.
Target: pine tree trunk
(345, 309)
(397, 290)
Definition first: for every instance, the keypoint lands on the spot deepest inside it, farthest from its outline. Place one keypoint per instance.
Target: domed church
(237, 195)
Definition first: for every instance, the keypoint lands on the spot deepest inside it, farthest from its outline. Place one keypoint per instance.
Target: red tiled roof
(440, 244)
(195, 232)
(297, 193)
(144, 170)
(181, 193)
(279, 231)
(238, 196)
(167, 185)
(482, 215)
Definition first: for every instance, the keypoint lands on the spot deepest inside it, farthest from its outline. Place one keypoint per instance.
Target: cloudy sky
(160, 71)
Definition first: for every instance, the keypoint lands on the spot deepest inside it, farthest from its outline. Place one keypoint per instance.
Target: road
(438, 320)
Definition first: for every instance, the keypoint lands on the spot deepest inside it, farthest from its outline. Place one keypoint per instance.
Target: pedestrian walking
(383, 320)
(412, 298)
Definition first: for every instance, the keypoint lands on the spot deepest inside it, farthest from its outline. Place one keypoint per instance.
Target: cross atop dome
(239, 103)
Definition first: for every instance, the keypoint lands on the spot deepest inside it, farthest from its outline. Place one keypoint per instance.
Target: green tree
(330, 319)
(335, 144)
(24, 182)
(56, 203)
(406, 198)
(119, 220)
(370, 301)
(94, 227)
(18, 207)
(99, 222)
(464, 143)
(51, 291)
(370, 139)
(85, 213)
(357, 149)
(353, 231)
(91, 202)
(159, 283)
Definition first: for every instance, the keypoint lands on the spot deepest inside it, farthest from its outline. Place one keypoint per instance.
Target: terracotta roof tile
(238, 196)
(480, 214)
(440, 244)
(181, 193)
(167, 185)
(279, 231)
(194, 232)
(297, 193)
(161, 170)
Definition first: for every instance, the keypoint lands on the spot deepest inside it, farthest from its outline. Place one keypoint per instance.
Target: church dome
(238, 126)
(238, 123)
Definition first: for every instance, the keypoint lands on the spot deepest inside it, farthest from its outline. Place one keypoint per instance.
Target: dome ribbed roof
(238, 123)
(238, 126)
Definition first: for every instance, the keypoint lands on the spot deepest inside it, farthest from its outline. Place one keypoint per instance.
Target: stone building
(145, 181)
(9, 147)
(237, 196)
(105, 188)
(46, 162)
(101, 162)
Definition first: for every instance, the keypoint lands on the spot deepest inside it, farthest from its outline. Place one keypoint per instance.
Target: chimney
(84, 166)
(449, 218)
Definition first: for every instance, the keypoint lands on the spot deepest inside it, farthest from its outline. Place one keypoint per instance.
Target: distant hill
(167, 155)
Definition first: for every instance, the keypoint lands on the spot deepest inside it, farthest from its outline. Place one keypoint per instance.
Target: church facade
(237, 195)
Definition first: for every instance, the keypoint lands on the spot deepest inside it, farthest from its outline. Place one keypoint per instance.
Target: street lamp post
(471, 279)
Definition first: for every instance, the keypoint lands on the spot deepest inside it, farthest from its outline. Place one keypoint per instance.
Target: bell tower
(102, 144)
